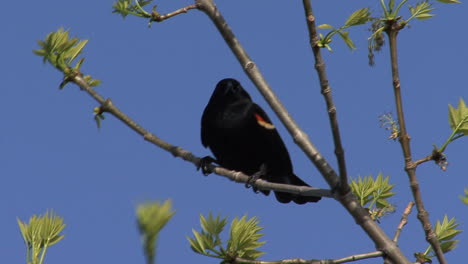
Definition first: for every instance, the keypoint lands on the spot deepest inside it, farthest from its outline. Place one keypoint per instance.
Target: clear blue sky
(52, 156)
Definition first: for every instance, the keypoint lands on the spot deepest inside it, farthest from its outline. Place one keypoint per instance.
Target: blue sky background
(52, 156)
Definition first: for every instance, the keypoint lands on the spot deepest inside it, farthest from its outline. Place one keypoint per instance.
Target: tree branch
(352, 258)
(403, 221)
(327, 94)
(108, 106)
(155, 16)
(393, 27)
(348, 200)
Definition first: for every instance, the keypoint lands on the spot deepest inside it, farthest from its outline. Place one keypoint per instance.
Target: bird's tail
(284, 197)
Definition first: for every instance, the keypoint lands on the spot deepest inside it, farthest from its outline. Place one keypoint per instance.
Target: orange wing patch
(263, 123)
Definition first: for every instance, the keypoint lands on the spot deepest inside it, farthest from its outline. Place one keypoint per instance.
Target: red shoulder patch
(263, 123)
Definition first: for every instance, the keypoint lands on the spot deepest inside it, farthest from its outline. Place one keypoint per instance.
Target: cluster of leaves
(39, 234)
(151, 218)
(243, 241)
(359, 17)
(373, 195)
(446, 232)
(60, 50)
(458, 120)
(125, 8)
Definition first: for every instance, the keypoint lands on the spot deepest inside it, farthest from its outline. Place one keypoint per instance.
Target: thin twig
(393, 27)
(425, 159)
(155, 16)
(374, 254)
(348, 200)
(108, 106)
(327, 94)
(403, 221)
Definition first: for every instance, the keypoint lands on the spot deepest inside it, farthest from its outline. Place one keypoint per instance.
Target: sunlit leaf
(449, 1)
(359, 17)
(244, 238)
(151, 218)
(345, 36)
(325, 26)
(446, 232)
(458, 117)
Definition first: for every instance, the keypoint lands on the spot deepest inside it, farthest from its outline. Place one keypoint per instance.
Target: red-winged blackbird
(242, 138)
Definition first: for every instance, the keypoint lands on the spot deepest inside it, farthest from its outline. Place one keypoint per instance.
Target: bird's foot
(254, 177)
(204, 165)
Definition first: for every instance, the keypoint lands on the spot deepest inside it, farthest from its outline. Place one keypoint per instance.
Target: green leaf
(391, 5)
(213, 225)
(359, 17)
(325, 26)
(449, 1)
(424, 16)
(345, 36)
(373, 194)
(208, 241)
(125, 7)
(458, 118)
(60, 51)
(94, 83)
(197, 243)
(446, 232)
(24, 232)
(465, 198)
(151, 219)
(40, 233)
(421, 11)
(75, 50)
(244, 238)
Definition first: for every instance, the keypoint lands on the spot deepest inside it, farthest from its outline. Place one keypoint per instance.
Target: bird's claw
(204, 165)
(254, 177)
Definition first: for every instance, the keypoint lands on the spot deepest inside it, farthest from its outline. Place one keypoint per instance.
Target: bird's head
(229, 91)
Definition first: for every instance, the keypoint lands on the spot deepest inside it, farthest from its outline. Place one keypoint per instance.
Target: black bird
(242, 138)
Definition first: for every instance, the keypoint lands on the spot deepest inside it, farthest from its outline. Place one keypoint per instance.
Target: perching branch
(109, 107)
(392, 29)
(326, 92)
(348, 200)
(352, 258)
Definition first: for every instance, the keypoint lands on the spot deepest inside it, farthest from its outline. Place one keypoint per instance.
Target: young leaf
(458, 118)
(125, 8)
(421, 11)
(359, 17)
(449, 1)
(465, 197)
(197, 243)
(208, 242)
(373, 194)
(345, 36)
(325, 26)
(446, 232)
(244, 239)
(151, 218)
(40, 233)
